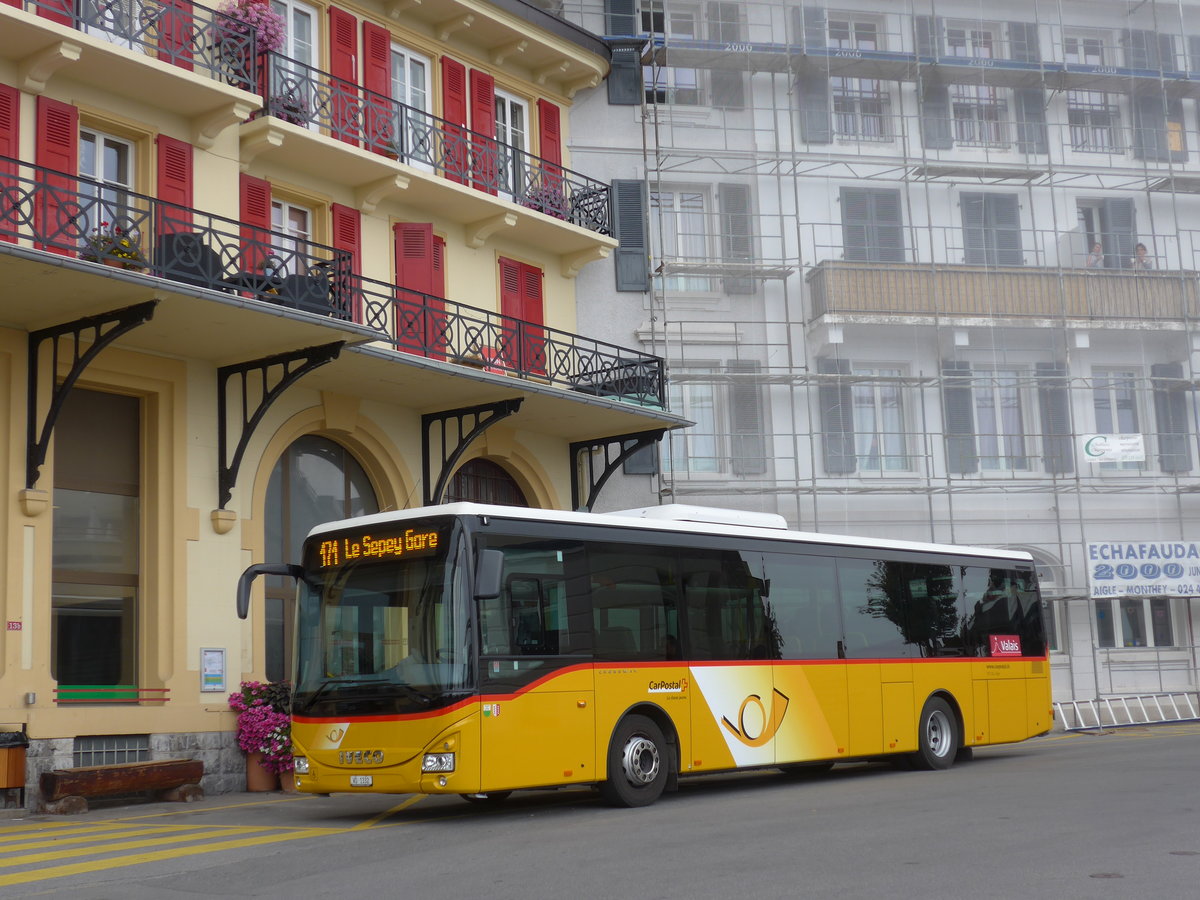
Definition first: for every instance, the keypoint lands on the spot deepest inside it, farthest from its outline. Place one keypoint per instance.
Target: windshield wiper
(410, 692)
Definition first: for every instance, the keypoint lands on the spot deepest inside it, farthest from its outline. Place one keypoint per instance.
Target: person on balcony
(1141, 260)
(1095, 259)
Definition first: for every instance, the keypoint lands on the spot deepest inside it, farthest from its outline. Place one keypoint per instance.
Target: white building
(862, 234)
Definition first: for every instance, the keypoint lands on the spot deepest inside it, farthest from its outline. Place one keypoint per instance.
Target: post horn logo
(336, 734)
(779, 705)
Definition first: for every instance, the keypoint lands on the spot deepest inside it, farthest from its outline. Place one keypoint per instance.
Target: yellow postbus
(477, 650)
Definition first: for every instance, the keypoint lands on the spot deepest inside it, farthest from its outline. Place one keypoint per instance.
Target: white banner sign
(1113, 448)
(1119, 569)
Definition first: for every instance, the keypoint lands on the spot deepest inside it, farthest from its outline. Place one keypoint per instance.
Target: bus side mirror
(488, 566)
(246, 581)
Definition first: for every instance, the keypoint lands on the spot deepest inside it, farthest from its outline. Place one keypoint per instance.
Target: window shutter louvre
(347, 233)
(747, 428)
(10, 121)
(836, 401)
(935, 117)
(1031, 119)
(871, 226)
(1055, 410)
(625, 85)
(58, 149)
(1149, 125)
(454, 111)
(737, 239)
(1118, 227)
(175, 177)
(1023, 42)
(343, 66)
(550, 132)
(256, 222)
(175, 33)
(816, 122)
(959, 426)
(1142, 49)
(1171, 417)
(1194, 53)
(620, 17)
(439, 266)
(630, 227)
(483, 122)
(414, 257)
(974, 237)
(928, 34)
(378, 120)
(1003, 218)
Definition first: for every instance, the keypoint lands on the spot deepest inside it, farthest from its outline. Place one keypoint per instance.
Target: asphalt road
(1063, 816)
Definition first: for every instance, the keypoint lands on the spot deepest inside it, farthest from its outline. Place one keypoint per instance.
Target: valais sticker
(1005, 644)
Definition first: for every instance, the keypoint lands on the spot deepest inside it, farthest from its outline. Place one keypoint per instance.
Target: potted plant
(113, 246)
(239, 20)
(547, 198)
(264, 731)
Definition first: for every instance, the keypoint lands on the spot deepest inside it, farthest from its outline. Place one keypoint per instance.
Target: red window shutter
(414, 257)
(521, 299)
(347, 238)
(175, 33)
(256, 222)
(439, 266)
(531, 295)
(57, 149)
(343, 66)
(10, 121)
(418, 315)
(61, 11)
(484, 168)
(550, 132)
(377, 78)
(174, 184)
(454, 111)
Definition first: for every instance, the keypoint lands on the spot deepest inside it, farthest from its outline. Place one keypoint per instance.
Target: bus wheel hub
(640, 761)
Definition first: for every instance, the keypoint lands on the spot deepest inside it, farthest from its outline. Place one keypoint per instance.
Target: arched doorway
(483, 481)
(315, 480)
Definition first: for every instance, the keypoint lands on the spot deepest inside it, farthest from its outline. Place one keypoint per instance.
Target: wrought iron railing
(73, 216)
(314, 99)
(179, 32)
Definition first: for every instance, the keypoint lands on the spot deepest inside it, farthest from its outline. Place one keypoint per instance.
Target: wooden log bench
(66, 790)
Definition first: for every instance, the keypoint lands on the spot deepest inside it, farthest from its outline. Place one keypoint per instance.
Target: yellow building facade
(262, 266)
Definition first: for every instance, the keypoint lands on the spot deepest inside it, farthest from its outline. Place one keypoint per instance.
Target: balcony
(65, 216)
(936, 289)
(376, 138)
(184, 55)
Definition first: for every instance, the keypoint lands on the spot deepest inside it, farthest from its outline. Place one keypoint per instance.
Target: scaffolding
(895, 269)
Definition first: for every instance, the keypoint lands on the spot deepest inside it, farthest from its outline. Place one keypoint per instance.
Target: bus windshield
(382, 621)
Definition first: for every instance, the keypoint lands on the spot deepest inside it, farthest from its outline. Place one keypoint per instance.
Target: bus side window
(803, 600)
(633, 603)
(538, 611)
(726, 615)
(1001, 602)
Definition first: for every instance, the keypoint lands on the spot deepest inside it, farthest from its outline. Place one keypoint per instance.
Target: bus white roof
(675, 517)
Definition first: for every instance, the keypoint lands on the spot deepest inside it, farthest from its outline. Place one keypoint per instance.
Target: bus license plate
(360, 781)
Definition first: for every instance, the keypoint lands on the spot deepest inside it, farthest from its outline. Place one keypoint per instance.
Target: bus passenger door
(537, 719)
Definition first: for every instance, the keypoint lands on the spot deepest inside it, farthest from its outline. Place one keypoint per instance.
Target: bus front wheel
(937, 736)
(638, 764)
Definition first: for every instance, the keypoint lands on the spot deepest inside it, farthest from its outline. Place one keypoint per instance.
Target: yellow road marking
(154, 841)
(184, 812)
(96, 835)
(383, 815)
(68, 828)
(101, 865)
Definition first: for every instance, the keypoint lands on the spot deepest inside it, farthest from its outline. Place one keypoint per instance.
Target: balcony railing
(962, 290)
(76, 217)
(314, 99)
(178, 32)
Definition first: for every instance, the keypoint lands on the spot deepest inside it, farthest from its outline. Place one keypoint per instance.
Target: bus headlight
(300, 764)
(438, 762)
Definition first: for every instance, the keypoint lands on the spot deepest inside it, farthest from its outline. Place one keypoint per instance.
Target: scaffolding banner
(1113, 447)
(1121, 569)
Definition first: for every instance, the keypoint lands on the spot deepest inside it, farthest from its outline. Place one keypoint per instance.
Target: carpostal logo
(753, 735)
(667, 687)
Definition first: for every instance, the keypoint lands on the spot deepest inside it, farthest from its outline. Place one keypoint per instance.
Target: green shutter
(631, 229)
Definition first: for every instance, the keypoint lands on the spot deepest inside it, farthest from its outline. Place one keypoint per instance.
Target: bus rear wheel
(638, 764)
(937, 736)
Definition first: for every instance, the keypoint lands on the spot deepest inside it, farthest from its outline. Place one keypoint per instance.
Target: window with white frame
(512, 139)
(410, 85)
(295, 222)
(291, 83)
(680, 222)
(880, 436)
(1135, 622)
(980, 115)
(109, 162)
(860, 105)
(1115, 401)
(1000, 421)
(694, 450)
(978, 40)
(1094, 120)
(1088, 47)
(300, 32)
(671, 84)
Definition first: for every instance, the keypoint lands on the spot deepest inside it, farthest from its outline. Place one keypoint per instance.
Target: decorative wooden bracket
(469, 422)
(573, 262)
(35, 70)
(396, 8)
(265, 141)
(500, 54)
(478, 232)
(448, 27)
(101, 330)
(287, 368)
(614, 450)
(207, 127)
(369, 196)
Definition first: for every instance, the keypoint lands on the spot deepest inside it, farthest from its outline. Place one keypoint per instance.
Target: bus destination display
(375, 547)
